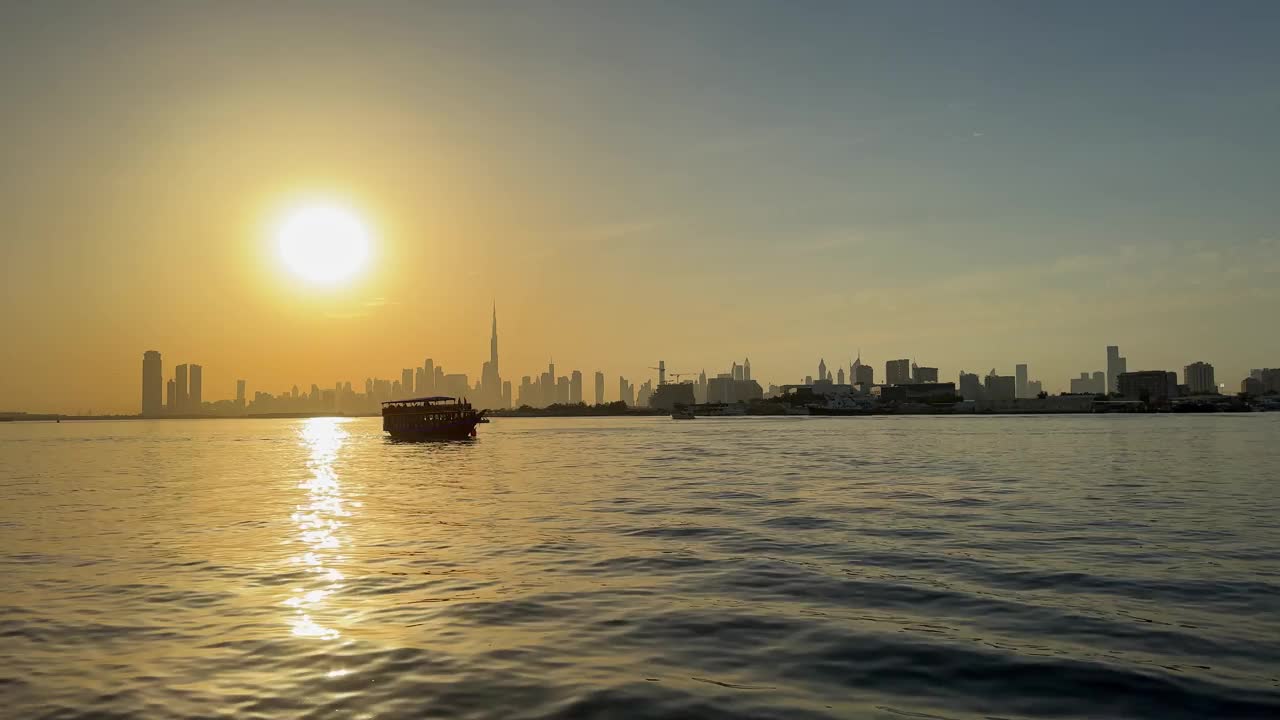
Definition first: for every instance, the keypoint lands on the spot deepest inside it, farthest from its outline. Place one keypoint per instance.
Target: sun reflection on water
(320, 517)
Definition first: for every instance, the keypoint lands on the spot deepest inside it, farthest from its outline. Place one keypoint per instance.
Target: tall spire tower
(493, 340)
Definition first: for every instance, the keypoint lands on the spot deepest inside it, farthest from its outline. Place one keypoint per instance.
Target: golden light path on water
(320, 518)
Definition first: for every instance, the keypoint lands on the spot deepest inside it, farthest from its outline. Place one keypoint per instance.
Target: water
(1081, 567)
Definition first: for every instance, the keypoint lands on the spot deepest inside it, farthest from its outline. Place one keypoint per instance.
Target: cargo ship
(430, 418)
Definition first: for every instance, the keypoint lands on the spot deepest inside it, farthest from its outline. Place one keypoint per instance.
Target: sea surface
(912, 567)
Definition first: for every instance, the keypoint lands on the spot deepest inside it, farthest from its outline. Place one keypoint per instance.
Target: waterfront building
(1155, 387)
(1198, 377)
(240, 393)
(195, 399)
(599, 388)
(822, 370)
(1252, 386)
(840, 376)
(919, 393)
(746, 369)
(428, 388)
(724, 389)
(406, 382)
(180, 380)
(575, 387)
(530, 393)
(897, 372)
(970, 386)
(1034, 388)
(1020, 380)
(700, 390)
(999, 390)
(626, 392)
(863, 375)
(736, 371)
(923, 374)
(171, 397)
(1116, 365)
(152, 384)
(668, 396)
(644, 394)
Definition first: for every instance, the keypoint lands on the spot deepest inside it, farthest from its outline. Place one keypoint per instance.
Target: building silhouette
(1020, 380)
(626, 392)
(897, 372)
(195, 400)
(152, 384)
(999, 390)
(822, 370)
(920, 374)
(575, 387)
(240, 399)
(1086, 384)
(1155, 387)
(669, 395)
(1116, 365)
(180, 397)
(171, 396)
(746, 369)
(406, 382)
(860, 374)
(599, 388)
(1198, 377)
(970, 386)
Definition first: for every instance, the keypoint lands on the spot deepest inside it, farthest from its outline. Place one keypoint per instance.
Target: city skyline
(491, 391)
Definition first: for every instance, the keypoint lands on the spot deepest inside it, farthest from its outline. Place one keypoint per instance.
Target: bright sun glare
(323, 244)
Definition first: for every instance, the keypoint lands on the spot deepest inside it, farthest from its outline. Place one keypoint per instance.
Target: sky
(971, 185)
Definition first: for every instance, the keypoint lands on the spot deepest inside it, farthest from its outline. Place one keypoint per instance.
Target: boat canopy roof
(426, 400)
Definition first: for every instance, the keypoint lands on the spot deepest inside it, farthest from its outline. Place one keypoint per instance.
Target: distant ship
(682, 414)
(430, 418)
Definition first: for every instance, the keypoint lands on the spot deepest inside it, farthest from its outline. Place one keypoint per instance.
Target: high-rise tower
(1116, 365)
(180, 383)
(195, 401)
(152, 384)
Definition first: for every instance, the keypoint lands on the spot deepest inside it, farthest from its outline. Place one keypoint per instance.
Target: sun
(323, 244)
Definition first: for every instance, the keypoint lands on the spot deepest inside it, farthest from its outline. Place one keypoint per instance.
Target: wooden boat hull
(458, 429)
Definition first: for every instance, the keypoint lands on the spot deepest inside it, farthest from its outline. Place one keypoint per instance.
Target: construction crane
(662, 373)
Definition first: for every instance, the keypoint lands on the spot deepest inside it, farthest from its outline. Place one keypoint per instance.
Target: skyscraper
(575, 387)
(822, 370)
(152, 384)
(548, 384)
(840, 376)
(746, 369)
(599, 388)
(1198, 377)
(562, 389)
(1020, 380)
(406, 382)
(490, 378)
(194, 400)
(737, 371)
(897, 372)
(1115, 366)
(429, 378)
(171, 396)
(626, 392)
(180, 381)
(240, 393)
